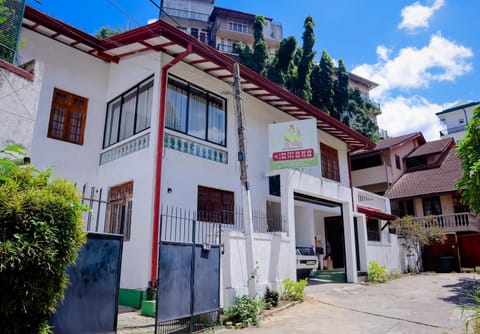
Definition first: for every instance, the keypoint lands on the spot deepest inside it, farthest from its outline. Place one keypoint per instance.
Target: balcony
(185, 14)
(227, 48)
(458, 222)
(366, 198)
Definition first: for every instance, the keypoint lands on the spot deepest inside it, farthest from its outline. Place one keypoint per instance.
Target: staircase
(335, 275)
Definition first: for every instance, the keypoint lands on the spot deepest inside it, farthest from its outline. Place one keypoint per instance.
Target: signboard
(293, 144)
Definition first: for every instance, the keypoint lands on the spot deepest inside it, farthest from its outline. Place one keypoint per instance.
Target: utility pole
(247, 202)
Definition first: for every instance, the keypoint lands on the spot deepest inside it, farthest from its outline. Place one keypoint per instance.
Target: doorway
(334, 235)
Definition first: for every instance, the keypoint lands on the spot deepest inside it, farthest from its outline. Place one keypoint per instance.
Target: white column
(350, 257)
(288, 213)
(362, 241)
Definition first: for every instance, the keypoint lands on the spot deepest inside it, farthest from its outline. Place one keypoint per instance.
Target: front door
(334, 236)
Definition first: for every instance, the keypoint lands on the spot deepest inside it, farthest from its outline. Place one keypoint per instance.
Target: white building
(129, 114)
(456, 119)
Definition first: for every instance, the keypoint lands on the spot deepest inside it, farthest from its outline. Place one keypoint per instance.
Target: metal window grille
(11, 14)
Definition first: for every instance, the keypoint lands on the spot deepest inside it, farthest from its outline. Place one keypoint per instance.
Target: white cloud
(417, 16)
(401, 115)
(440, 60)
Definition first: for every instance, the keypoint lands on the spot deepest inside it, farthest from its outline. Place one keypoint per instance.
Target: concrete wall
(388, 253)
(272, 252)
(19, 103)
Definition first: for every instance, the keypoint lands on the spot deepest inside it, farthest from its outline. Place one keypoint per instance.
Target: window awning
(375, 213)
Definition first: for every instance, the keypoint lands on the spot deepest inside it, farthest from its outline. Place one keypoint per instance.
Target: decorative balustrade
(371, 200)
(456, 222)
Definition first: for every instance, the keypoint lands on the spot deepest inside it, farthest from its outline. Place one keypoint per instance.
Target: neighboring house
(231, 27)
(191, 16)
(148, 116)
(456, 119)
(377, 169)
(427, 189)
(19, 94)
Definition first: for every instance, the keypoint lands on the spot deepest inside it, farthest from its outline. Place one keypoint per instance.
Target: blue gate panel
(173, 297)
(207, 280)
(91, 299)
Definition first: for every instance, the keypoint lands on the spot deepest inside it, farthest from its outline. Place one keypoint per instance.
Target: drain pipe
(158, 163)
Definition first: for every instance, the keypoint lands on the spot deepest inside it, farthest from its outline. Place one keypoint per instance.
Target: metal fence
(11, 15)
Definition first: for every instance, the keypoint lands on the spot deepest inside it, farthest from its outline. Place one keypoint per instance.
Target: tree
(260, 54)
(40, 235)
(469, 152)
(282, 68)
(340, 89)
(323, 84)
(305, 65)
(362, 123)
(107, 32)
(415, 237)
(244, 54)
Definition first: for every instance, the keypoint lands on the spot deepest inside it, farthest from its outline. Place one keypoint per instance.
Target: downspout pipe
(158, 162)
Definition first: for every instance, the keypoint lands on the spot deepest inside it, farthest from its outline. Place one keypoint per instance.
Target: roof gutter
(158, 163)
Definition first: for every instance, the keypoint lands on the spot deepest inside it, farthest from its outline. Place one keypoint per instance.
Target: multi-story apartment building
(231, 27)
(456, 119)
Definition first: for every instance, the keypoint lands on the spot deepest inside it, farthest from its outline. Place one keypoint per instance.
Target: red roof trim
(375, 213)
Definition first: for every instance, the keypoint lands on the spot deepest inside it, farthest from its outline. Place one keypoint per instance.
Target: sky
(425, 55)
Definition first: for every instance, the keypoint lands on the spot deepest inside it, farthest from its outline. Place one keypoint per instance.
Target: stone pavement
(426, 303)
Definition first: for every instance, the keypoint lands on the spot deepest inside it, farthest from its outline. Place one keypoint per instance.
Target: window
(196, 112)
(398, 163)
(367, 162)
(431, 206)
(67, 117)
(461, 121)
(373, 230)
(237, 26)
(194, 32)
(129, 113)
(119, 211)
(405, 208)
(330, 166)
(215, 206)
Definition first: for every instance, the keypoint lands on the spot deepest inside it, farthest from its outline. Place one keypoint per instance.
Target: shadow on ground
(461, 292)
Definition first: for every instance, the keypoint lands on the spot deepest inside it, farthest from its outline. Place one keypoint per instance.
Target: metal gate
(188, 295)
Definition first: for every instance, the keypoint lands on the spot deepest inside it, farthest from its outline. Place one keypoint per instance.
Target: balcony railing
(185, 14)
(371, 200)
(227, 48)
(457, 222)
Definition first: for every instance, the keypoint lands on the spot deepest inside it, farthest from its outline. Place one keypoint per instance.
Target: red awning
(375, 213)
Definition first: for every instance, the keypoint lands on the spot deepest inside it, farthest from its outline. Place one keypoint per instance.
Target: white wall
(19, 105)
(304, 227)
(81, 74)
(272, 252)
(387, 254)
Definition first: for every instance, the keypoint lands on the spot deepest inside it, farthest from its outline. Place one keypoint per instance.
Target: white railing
(366, 198)
(456, 222)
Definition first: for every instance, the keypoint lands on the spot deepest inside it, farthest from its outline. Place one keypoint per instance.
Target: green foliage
(415, 236)
(245, 310)
(281, 69)
(376, 272)
(472, 324)
(340, 89)
(40, 235)
(304, 69)
(469, 153)
(270, 298)
(323, 85)
(260, 53)
(10, 156)
(107, 32)
(293, 290)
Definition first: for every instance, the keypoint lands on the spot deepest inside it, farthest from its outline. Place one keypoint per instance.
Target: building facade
(456, 120)
(150, 120)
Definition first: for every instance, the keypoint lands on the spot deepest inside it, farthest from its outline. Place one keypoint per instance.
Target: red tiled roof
(388, 143)
(430, 181)
(433, 147)
(162, 37)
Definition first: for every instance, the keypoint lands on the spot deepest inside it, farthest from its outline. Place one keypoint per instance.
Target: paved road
(427, 303)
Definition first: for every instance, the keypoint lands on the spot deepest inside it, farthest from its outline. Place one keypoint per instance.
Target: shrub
(376, 272)
(40, 235)
(472, 324)
(270, 298)
(245, 310)
(293, 290)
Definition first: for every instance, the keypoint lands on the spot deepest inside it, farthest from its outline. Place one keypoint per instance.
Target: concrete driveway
(427, 303)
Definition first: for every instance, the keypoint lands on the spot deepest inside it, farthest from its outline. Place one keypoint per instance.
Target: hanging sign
(293, 144)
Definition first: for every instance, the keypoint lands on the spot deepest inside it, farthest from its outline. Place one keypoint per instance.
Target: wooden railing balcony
(457, 222)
